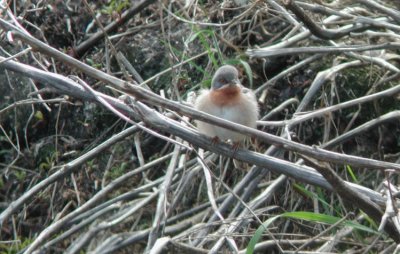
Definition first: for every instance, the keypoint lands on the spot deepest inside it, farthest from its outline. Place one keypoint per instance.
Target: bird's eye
(223, 81)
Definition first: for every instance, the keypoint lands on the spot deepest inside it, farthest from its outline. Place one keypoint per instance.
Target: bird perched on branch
(227, 99)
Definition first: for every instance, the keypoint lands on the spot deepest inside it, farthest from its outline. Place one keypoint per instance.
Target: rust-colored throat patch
(226, 96)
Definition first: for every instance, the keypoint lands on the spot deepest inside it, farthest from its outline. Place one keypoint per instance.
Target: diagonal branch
(156, 100)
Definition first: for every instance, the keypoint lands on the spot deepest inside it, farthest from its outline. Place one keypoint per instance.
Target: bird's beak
(235, 82)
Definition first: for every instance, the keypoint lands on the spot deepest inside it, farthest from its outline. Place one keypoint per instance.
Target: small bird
(227, 99)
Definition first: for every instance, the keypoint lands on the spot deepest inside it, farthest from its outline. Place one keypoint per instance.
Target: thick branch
(156, 100)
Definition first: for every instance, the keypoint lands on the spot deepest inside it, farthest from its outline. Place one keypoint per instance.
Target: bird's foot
(235, 147)
(215, 140)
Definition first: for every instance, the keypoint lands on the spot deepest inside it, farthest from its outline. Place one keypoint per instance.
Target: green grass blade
(307, 216)
(351, 172)
(257, 235)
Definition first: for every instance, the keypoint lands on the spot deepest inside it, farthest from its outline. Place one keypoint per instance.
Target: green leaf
(203, 36)
(257, 235)
(313, 195)
(351, 172)
(197, 34)
(39, 115)
(248, 71)
(308, 216)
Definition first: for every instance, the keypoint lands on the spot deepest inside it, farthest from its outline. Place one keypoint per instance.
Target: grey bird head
(225, 75)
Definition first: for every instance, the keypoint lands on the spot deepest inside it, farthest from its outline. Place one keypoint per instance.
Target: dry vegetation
(98, 152)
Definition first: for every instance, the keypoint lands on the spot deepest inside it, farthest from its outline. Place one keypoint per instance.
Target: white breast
(244, 112)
